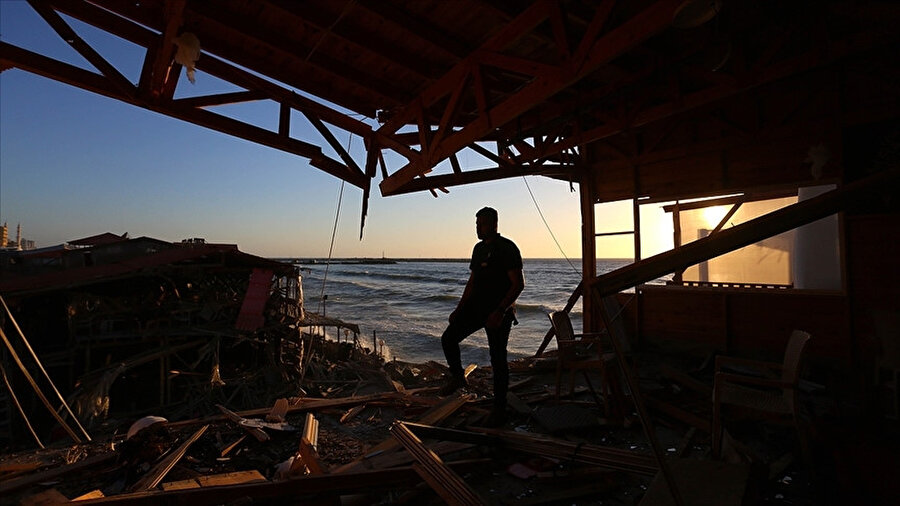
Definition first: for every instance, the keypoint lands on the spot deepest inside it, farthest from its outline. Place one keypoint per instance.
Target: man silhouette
(488, 302)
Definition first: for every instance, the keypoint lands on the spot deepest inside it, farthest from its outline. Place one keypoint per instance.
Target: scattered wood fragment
(155, 475)
(256, 432)
(232, 446)
(397, 459)
(296, 488)
(431, 468)
(306, 460)
(685, 442)
(596, 455)
(93, 494)
(430, 417)
(686, 380)
(278, 412)
(678, 413)
(45, 498)
(52, 474)
(217, 480)
(352, 412)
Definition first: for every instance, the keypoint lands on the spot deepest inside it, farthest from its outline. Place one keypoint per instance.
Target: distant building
(19, 243)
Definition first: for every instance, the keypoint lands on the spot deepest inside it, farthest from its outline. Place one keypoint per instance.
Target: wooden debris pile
(380, 435)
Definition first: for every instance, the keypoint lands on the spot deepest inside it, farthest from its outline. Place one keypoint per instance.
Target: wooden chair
(775, 397)
(584, 353)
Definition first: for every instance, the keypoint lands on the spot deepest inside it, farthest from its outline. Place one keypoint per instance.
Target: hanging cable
(331, 248)
(538, 207)
(337, 214)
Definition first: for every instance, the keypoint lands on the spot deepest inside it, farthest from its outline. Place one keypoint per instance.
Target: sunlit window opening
(806, 257)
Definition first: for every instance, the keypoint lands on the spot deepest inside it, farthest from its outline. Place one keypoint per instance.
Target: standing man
(488, 302)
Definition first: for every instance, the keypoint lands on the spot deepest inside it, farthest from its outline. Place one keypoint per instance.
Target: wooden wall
(746, 322)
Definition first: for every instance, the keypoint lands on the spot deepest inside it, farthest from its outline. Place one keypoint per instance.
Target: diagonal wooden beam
(768, 225)
(332, 141)
(134, 32)
(423, 183)
(629, 34)
(420, 28)
(278, 44)
(360, 37)
(236, 97)
(525, 22)
(162, 72)
(43, 8)
(837, 49)
(80, 78)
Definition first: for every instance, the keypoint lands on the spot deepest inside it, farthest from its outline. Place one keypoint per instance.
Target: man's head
(486, 222)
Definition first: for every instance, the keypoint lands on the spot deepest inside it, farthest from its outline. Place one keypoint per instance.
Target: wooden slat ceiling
(559, 88)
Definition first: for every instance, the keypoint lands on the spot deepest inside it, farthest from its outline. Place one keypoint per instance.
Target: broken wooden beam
(296, 488)
(602, 456)
(8, 486)
(155, 475)
(431, 468)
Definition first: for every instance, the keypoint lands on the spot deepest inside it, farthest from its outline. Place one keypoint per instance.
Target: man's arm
(517, 284)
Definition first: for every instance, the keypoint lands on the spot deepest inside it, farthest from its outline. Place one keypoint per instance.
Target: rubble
(377, 447)
(284, 414)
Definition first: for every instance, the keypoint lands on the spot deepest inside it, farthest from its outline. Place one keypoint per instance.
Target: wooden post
(676, 239)
(588, 250)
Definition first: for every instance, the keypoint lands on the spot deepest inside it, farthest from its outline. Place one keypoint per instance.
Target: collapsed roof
(629, 94)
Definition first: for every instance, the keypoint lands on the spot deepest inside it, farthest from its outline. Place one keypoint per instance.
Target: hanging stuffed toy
(188, 52)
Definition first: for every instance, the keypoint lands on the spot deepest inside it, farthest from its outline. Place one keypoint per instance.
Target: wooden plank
(678, 413)
(742, 235)
(352, 412)
(431, 468)
(279, 410)
(45, 498)
(256, 432)
(93, 494)
(430, 417)
(152, 478)
(296, 488)
(8, 486)
(235, 478)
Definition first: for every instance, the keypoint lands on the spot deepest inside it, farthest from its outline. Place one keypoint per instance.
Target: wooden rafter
(360, 38)
(478, 176)
(716, 92)
(43, 8)
(601, 50)
(69, 74)
(162, 73)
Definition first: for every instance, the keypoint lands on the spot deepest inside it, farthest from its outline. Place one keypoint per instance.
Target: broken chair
(584, 353)
(775, 396)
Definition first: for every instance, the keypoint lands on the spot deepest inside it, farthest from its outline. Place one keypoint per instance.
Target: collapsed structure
(694, 103)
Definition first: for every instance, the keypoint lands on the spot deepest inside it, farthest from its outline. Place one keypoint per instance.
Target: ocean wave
(412, 277)
(442, 298)
(525, 308)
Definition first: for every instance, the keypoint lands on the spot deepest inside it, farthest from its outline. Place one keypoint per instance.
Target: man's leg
(498, 338)
(454, 334)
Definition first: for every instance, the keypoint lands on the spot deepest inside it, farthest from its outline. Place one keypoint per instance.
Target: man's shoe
(452, 385)
(496, 418)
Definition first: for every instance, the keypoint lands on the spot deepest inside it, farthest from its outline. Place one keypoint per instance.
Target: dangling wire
(333, 235)
(538, 207)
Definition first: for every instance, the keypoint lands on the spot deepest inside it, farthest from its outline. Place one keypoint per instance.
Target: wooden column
(588, 250)
(676, 240)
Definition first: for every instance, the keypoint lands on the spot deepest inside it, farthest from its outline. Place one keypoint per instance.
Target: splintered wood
(155, 475)
(307, 459)
(431, 468)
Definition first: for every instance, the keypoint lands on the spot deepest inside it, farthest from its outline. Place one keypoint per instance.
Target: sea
(403, 306)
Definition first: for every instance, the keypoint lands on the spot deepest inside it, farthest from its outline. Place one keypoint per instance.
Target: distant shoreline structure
(388, 261)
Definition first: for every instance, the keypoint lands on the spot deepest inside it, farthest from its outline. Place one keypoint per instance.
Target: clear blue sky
(74, 164)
